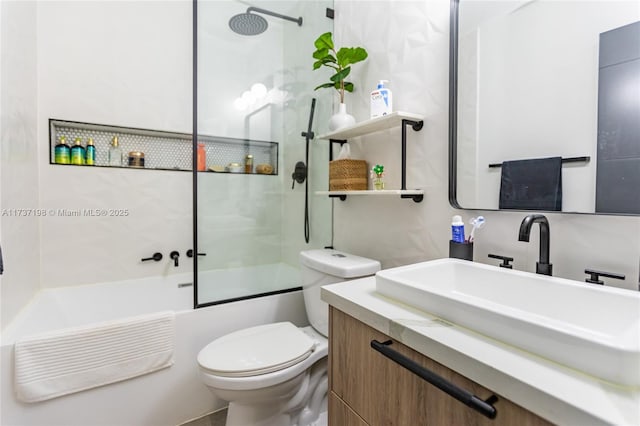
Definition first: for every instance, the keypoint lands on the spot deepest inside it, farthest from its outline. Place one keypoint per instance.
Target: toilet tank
(327, 266)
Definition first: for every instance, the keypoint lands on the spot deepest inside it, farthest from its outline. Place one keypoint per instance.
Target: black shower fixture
(251, 24)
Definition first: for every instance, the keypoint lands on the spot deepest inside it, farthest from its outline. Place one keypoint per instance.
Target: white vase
(341, 119)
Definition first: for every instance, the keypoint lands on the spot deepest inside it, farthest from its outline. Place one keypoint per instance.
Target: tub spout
(174, 255)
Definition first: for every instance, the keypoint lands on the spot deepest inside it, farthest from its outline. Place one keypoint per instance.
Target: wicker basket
(348, 175)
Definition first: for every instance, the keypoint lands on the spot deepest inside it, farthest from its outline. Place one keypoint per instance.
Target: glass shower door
(254, 89)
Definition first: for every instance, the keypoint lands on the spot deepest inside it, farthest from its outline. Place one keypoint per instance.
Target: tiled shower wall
(101, 62)
(132, 67)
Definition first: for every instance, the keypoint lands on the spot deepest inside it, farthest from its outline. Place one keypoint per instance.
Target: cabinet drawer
(382, 392)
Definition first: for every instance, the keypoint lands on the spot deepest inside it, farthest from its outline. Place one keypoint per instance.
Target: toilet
(276, 374)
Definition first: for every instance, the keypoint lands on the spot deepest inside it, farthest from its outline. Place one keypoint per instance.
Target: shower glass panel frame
(249, 227)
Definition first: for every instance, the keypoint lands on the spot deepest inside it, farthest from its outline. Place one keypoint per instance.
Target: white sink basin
(591, 328)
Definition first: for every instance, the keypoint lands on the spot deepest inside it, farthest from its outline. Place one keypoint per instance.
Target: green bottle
(77, 153)
(90, 154)
(62, 152)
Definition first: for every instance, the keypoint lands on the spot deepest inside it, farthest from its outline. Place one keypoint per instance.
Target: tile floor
(215, 419)
(219, 419)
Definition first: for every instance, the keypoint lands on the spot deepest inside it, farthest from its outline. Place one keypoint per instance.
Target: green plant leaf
(326, 61)
(324, 41)
(321, 53)
(340, 75)
(350, 55)
(326, 85)
(348, 86)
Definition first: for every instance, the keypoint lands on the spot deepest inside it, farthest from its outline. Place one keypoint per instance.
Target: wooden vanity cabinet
(367, 388)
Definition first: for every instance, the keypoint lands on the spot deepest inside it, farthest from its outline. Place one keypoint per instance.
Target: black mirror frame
(453, 104)
(453, 120)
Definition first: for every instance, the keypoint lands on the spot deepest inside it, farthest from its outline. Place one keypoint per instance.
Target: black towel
(534, 184)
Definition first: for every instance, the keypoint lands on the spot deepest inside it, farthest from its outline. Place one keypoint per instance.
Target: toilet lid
(256, 350)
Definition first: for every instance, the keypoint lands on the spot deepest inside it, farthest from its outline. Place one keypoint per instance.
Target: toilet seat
(256, 350)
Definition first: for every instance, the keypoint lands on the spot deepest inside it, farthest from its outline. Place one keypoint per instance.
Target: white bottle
(457, 229)
(381, 100)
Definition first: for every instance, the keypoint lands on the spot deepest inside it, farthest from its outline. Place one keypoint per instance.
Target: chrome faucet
(542, 265)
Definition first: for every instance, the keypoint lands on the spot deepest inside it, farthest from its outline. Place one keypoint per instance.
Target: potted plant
(377, 173)
(340, 62)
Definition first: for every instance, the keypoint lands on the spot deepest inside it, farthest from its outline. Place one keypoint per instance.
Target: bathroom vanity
(368, 388)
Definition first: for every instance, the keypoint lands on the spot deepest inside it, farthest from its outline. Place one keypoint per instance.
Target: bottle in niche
(62, 152)
(248, 164)
(202, 158)
(90, 154)
(77, 153)
(115, 153)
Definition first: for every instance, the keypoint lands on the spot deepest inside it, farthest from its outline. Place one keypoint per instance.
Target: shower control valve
(156, 257)
(174, 255)
(299, 174)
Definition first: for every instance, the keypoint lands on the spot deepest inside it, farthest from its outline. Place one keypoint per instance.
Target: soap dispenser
(381, 100)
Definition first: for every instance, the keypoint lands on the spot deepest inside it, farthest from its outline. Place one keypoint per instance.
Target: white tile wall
(125, 64)
(19, 166)
(129, 64)
(408, 44)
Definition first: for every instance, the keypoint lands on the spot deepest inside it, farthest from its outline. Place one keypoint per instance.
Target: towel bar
(585, 159)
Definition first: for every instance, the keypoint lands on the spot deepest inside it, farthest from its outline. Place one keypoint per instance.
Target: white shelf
(377, 192)
(416, 194)
(371, 126)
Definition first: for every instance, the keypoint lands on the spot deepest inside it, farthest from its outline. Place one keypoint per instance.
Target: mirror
(533, 79)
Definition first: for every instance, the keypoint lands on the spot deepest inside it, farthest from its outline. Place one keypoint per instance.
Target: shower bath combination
(251, 24)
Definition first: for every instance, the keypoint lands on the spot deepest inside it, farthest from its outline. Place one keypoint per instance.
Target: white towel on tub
(75, 359)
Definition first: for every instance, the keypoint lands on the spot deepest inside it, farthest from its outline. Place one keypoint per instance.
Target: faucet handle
(505, 260)
(156, 257)
(595, 275)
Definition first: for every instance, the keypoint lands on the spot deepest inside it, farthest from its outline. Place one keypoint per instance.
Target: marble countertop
(552, 391)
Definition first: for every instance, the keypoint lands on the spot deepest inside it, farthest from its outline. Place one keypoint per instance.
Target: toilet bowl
(276, 374)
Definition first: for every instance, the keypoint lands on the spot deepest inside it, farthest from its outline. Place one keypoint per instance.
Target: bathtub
(167, 397)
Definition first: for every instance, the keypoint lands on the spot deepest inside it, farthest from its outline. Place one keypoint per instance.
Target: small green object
(378, 169)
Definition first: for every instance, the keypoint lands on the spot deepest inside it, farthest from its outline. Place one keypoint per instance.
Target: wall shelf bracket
(417, 126)
(342, 197)
(395, 119)
(415, 197)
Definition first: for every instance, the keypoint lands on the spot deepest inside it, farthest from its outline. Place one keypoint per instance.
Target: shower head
(251, 24)
(248, 24)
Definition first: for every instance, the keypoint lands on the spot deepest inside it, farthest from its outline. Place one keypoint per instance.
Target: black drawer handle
(484, 407)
